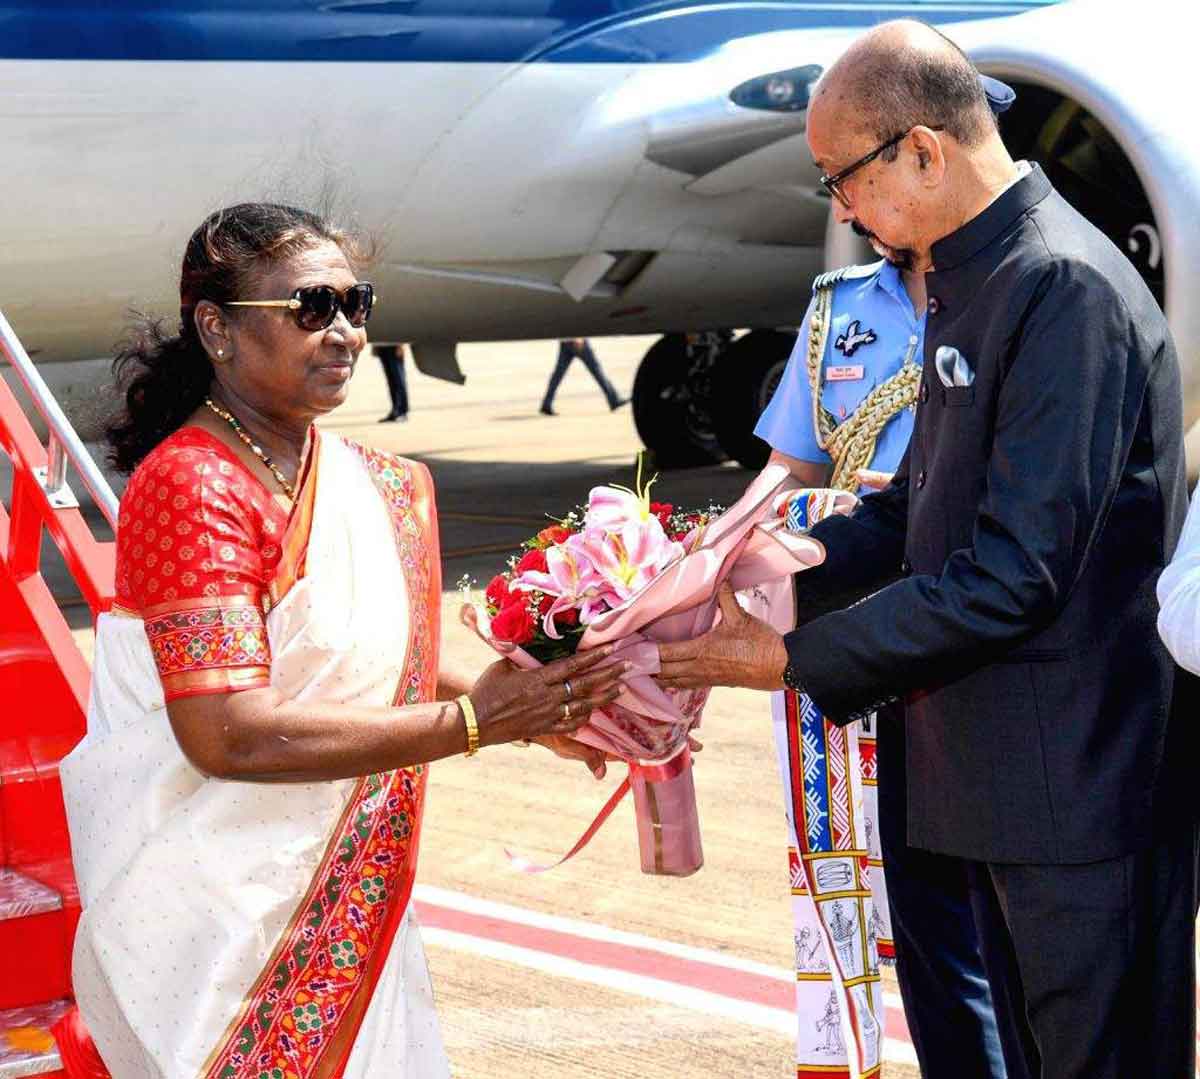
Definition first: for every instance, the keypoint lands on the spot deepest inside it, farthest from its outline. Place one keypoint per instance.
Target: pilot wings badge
(850, 341)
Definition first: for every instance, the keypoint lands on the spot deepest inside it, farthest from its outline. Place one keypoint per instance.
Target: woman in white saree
(245, 809)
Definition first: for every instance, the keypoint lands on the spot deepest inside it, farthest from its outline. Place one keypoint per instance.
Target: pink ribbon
(524, 865)
(653, 773)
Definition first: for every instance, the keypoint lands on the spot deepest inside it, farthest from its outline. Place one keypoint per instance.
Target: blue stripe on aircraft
(454, 31)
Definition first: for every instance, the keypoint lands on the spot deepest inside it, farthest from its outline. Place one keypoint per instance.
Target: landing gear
(697, 397)
(672, 399)
(746, 378)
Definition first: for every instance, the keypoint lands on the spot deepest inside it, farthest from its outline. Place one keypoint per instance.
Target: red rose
(514, 624)
(663, 511)
(569, 617)
(497, 592)
(532, 560)
(552, 536)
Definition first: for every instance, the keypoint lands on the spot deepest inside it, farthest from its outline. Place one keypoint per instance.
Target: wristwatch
(791, 677)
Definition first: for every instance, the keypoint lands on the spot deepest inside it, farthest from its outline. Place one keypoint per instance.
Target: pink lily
(572, 579)
(628, 559)
(612, 508)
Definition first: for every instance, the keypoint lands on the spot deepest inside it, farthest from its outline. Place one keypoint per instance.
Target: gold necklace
(255, 448)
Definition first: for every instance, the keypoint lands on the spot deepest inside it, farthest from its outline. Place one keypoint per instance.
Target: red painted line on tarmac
(694, 973)
(740, 985)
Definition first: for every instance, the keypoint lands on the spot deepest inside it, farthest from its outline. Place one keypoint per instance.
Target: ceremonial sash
(842, 929)
(839, 899)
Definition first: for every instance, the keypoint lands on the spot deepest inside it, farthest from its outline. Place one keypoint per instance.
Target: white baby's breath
(465, 586)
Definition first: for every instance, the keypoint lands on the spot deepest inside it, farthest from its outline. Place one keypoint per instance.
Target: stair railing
(41, 498)
(65, 443)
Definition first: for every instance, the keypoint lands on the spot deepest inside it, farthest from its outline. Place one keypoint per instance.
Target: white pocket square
(952, 367)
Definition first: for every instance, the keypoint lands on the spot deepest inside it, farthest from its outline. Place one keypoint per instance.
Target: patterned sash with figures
(842, 929)
(839, 898)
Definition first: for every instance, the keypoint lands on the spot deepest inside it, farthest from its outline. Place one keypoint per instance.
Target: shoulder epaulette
(845, 273)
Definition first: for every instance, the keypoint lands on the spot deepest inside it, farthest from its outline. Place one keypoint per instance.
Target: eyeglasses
(833, 184)
(316, 306)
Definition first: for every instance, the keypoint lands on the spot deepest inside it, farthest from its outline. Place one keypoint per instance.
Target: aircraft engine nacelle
(1111, 134)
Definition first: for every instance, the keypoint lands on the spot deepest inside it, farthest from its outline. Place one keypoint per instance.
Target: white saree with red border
(235, 929)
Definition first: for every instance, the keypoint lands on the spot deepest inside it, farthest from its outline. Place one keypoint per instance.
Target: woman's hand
(555, 699)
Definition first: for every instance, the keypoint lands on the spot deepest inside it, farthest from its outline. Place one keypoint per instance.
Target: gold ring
(566, 710)
(567, 687)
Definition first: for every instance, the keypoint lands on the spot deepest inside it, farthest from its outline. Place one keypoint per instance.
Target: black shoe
(391, 417)
(546, 410)
(614, 405)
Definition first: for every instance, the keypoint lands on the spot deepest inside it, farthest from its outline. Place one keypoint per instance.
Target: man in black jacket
(1003, 585)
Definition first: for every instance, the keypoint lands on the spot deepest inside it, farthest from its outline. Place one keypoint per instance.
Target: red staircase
(43, 702)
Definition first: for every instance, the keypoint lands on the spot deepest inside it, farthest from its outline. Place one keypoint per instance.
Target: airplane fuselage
(487, 148)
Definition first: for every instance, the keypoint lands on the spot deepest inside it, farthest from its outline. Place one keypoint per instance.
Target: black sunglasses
(833, 184)
(316, 306)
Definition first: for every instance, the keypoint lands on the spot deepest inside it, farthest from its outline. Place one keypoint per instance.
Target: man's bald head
(904, 73)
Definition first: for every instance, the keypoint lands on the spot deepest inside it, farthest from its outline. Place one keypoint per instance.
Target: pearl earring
(220, 353)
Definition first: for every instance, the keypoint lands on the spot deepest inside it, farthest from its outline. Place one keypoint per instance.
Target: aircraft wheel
(671, 402)
(746, 377)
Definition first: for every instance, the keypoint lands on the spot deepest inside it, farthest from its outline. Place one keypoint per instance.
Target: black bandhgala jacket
(1009, 570)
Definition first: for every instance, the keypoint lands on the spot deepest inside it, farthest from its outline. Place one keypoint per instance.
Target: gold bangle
(468, 714)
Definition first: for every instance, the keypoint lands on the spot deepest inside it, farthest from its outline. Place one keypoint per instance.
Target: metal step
(26, 1044)
(21, 896)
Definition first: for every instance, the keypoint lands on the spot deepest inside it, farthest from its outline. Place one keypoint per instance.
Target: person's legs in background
(391, 357)
(580, 348)
(401, 383)
(615, 400)
(566, 353)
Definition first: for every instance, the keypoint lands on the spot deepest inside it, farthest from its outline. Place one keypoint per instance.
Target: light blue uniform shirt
(873, 301)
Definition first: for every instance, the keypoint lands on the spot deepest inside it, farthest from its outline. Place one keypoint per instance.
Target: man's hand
(740, 651)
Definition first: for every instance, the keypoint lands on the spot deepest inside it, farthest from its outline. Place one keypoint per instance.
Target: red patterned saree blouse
(198, 539)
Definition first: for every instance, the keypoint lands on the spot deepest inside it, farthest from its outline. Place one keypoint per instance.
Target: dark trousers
(1096, 962)
(568, 352)
(947, 1001)
(392, 359)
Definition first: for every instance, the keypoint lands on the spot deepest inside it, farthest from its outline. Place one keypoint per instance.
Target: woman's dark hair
(165, 377)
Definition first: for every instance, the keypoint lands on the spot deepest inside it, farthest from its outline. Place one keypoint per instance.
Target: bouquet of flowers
(625, 569)
(589, 562)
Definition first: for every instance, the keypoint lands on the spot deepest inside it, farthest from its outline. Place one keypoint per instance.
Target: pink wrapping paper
(647, 726)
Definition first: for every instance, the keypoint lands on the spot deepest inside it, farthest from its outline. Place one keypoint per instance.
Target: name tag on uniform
(847, 372)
